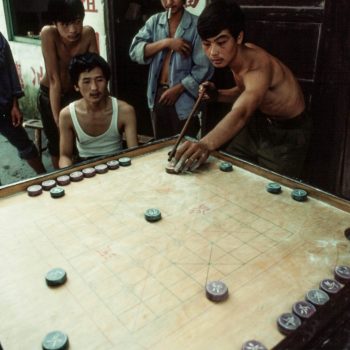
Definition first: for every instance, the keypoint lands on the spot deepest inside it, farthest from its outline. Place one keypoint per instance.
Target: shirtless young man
(96, 121)
(61, 41)
(267, 123)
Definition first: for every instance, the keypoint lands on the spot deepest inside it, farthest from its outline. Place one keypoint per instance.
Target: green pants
(278, 145)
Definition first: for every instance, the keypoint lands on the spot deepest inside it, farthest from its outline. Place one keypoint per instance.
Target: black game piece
(299, 195)
(113, 164)
(342, 274)
(124, 161)
(317, 297)
(330, 286)
(274, 188)
(226, 167)
(216, 291)
(304, 309)
(57, 192)
(153, 215)
(76, 176)
(253, 345)
(55, 340)
(34, 190)
(288, 323)
(56, 277)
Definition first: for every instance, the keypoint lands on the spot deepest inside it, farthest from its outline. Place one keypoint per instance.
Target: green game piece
(124, 161)
(299, 195)
(56, 277)
(57, 192)
(55, 340)
(153, 215)
(226, 166)
(274, 188)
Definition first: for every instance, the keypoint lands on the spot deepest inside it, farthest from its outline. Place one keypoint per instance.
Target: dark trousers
(165, 121)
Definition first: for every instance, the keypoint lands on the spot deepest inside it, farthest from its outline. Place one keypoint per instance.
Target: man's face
(92, 85)
(222, 49)
(175, 5)
(70, 31)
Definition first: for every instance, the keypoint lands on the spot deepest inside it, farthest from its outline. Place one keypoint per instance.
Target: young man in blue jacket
(170, 44)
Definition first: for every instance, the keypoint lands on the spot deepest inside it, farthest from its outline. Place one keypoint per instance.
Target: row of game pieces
(288, 322)
(53, 186)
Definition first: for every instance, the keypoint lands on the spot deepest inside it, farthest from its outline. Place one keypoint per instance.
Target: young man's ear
(76, 88)
(240, 37)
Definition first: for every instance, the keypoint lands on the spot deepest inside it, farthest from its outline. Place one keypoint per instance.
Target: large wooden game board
(139, 285)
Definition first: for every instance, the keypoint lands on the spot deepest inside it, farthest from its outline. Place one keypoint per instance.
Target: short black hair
(85, 63)
(65, 11)
(218, 16)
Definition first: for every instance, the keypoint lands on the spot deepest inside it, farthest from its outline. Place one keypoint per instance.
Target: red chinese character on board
(90, 5)
(19, 72)
(202, 209)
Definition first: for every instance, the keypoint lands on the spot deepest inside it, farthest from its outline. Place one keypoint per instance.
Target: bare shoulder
(125, 107)
(48, 32)
(65, 117)
(89, 32)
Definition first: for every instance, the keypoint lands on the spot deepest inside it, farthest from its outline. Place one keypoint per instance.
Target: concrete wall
(29, 60)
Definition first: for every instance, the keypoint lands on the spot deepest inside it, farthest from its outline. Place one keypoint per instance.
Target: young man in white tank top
(96, 122)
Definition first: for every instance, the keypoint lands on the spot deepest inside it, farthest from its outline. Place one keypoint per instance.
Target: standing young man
(267, 123)
(64, 39)
(10, 114)
(169, 42)
(96, 121)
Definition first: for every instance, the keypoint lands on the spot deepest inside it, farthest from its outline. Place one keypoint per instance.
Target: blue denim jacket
(10, 86)
(189, 71)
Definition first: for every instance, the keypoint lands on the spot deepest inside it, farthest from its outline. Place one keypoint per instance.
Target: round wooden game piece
(89, 172)
(226, 167)
(288, 323)
(153, 215)
(113, 164)
(299, 195)
(76, 176)
(304, 309)
(347, 233)
(34, 190)
(330, 286)
(56, 277)
(216, 291)
(317, 297)
(124, 161)
(253, 345)
(274, 188)
(101, 168)
(170, 168)
(342, 274)
(63, 180)
(57, 192)
(48, 184)
(55, 340)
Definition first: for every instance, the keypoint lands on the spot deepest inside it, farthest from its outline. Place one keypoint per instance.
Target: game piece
(63, 180)
(216, 291)
(101, 168)
(48, 184)
(57, 192)
(153, 215)
(226, 167)
(56, 277)
(317, 297)
(76, 176)
(304, 309)
(113, 164)
(34, 190)
(274, 188)
(330, 286)
(89, 172)
(124, 161)
(347, 233)
(253, 345)
(288, 323)
(55, 340)
(170, 168)
(299, 195)
(342, 274)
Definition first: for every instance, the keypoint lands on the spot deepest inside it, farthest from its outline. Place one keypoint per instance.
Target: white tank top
(107, 143)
